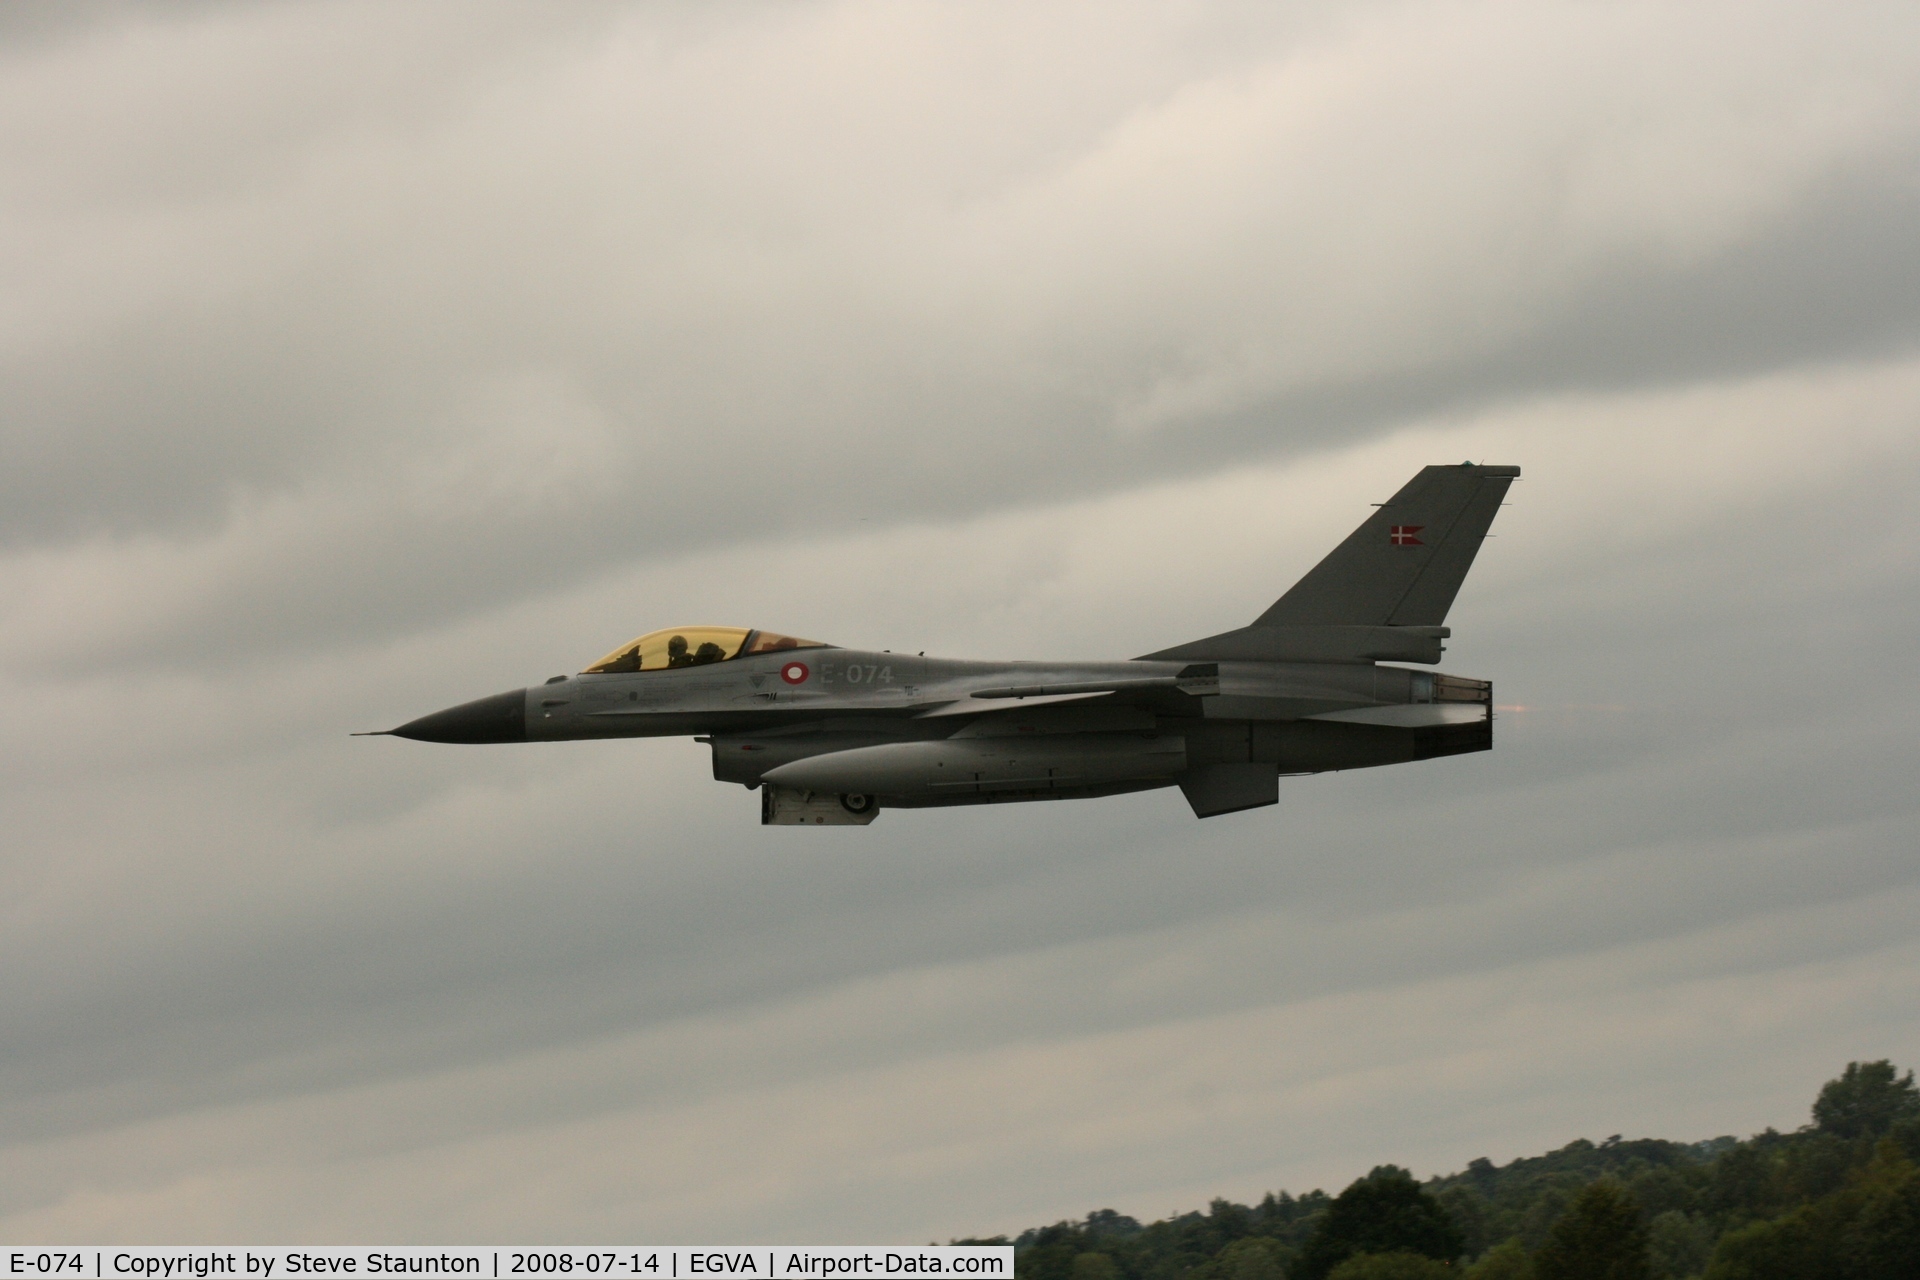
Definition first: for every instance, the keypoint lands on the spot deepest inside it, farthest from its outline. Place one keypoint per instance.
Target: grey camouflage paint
(831, 735)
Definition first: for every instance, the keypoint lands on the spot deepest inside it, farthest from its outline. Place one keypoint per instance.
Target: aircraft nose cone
(501, 718)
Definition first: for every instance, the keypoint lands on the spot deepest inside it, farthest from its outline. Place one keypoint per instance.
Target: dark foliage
(1384, 1212)
(1601, 1236)
(1870, 1230)
(1836, 1200)
(1866, 1101)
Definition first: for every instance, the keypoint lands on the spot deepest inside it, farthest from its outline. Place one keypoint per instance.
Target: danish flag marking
(1405, 535)
(794, 673)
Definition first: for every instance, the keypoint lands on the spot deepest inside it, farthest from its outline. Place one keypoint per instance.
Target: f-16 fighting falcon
(831, 736)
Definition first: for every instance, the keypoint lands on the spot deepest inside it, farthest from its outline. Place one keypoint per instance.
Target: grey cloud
(762, 355)
(618, 931)
(895, 326)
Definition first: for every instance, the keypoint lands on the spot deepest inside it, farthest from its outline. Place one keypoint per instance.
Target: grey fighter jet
(831, 736)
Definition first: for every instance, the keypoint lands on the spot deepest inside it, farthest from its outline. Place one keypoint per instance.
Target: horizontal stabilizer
(1313, 644)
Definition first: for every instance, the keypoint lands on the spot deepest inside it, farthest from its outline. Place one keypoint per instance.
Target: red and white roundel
(794, 673)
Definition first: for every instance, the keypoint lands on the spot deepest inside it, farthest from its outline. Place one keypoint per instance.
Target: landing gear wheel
(857, 803)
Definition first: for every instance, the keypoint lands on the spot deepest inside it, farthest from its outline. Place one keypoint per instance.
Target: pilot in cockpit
(677, 655)
(671, 649)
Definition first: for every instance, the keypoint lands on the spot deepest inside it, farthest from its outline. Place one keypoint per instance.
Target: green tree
(1906, 1134)
(1802, 1245)
(1867, 1100)
(1678, 1245)
(1472, 1214)
(1507, 1261)
(1599, 1237)
(1384, 1212)
(1398, 1265)
(1547, 1205)
(1816, 1164)
(1883, 1240)
(1254, 1258)
(1745, 1182)
(1826, 1202)
(1868, 1231)
(1108, 1224)
(1798, 1246)
(1664, 1188)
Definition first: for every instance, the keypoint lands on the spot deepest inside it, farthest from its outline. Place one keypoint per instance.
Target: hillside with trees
(1837, 1199)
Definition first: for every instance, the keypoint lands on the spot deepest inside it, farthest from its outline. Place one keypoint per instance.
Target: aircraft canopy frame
(671, 648)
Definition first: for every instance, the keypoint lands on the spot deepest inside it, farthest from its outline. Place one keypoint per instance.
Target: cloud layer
(361, 360)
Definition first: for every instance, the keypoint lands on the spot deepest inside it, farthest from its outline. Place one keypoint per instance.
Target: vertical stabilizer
(1404, 566)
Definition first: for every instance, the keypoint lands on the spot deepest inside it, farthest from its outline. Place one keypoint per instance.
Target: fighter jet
(831, 736)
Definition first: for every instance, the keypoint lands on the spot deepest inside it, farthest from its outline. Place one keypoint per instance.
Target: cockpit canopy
(694, 647)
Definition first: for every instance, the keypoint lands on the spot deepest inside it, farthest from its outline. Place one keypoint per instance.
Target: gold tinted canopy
(694, 647)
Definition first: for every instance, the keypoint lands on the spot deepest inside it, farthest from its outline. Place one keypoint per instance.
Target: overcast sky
(360, 359)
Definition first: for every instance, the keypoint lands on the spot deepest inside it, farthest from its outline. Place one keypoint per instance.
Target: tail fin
(1404, 566)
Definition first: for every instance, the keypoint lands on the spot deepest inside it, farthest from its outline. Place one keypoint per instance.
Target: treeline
(1838, 1199)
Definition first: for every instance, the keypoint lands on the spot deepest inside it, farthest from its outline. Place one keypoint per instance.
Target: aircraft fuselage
(831, 735)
